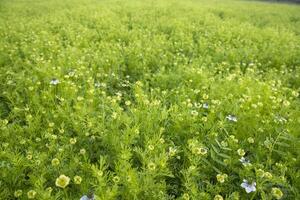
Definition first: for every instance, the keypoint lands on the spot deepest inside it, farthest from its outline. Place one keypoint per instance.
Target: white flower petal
(244, 185)
(248, 190)
(84, 198)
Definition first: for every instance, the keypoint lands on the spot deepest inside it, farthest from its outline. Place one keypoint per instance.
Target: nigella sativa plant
(231, 118)
(245, 161)
(248, 187)
(54, 81)
(97, 85)
(205, 106)
(280, 119)
(85, 197)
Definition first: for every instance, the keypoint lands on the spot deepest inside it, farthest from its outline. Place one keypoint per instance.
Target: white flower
(280, 119)
(54, 81)
(87, 198)
(231, 118)
(245, 161)
(84, 198)
(205, 106)
(248, 187)
(97, 85)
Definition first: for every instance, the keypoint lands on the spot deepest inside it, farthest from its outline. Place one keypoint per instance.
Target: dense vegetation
(152, 99)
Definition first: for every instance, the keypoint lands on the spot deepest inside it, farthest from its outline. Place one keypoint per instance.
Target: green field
(149, 100)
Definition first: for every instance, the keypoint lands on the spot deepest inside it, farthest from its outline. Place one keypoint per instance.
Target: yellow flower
(116, 179)
(260, 173)
(80, 98)
(49, 189)
(151, 166)
(100, 173)
(295, 93)
(277, 193)
(241, 152)
(194, 113)
(161, 140)
(250, 140)
(31, 194)
(218, 197)
(29, 156)
(114, 115)
(128, 178)
(268, 175)
(232, 137)
(18, 193)
(200, 151)
(192, 167)
(82, 151)
(62, 181)
(28, 117)
(151, 147)
(5, 122)
(205, 96)
(286, 103)
(204, 119)
(77, 179)
(73, 140)
(224, 143)
(186, 196)
(221, 178)
(172, 151)
(55, 162)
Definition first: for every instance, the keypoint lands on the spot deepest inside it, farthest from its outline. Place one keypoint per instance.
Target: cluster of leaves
(149, 100)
